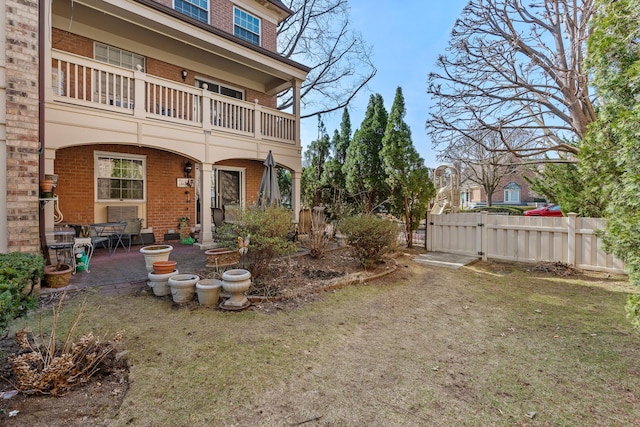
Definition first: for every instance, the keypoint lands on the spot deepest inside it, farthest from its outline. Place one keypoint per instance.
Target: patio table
(112, 230)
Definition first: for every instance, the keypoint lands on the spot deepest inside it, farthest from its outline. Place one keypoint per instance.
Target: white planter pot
(160, 283)
(155, 253)
(236, 282)
(208, 291)
(183, 286)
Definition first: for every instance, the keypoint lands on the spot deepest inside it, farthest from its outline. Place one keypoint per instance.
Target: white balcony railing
(82, 81)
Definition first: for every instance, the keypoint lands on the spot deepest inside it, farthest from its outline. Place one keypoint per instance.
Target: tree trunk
(407, 222)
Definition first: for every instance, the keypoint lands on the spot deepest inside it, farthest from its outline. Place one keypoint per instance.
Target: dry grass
(426, 346)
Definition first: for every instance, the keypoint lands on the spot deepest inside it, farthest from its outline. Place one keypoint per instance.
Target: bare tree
(515, 65)
(484, 164)
(319, 35)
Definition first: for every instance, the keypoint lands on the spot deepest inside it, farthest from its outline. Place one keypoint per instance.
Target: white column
(49, 162)
(206, 234)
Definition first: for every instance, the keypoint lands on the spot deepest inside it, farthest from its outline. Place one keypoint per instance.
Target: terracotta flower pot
(46, 188)
(58, 277)
(164, 267)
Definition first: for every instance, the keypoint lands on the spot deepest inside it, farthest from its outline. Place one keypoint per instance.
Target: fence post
(428, 229)
(571, 243)
(484, 244)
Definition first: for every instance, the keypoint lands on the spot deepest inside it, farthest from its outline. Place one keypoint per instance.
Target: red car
(548, 210)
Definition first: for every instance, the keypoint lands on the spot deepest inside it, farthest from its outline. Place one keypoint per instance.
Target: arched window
(512, 193)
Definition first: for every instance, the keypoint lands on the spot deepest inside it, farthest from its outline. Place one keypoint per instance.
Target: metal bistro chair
(132, 231)
(97, 239)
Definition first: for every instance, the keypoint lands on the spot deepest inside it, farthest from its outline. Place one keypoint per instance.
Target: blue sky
(406, 41)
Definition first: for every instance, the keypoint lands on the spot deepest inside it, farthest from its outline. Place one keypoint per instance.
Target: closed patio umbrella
(269, 192)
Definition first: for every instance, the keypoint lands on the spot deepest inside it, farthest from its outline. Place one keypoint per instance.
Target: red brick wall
(165, 201)
(73, 43)
(221, 17)
(21, 126)
(83, 46)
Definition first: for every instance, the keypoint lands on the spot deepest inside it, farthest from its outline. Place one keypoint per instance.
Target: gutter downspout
(41, 151)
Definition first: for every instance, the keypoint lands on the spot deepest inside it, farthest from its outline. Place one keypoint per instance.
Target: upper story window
(119, 176)
(115, 56)
(222, 90)
(198, 9)
(246, 26)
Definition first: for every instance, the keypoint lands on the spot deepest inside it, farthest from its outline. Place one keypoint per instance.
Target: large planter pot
(183, 286)
(236, 282)
(159, 283)
(208, 291)
(58, 277)
(154, 253)
(221, 257)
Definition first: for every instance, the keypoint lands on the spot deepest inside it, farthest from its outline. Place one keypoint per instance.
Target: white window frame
(124, 156)
(259, 33)
(207, 10)
(110, 88)
(135, 58)
(512, 191)
(210, 83)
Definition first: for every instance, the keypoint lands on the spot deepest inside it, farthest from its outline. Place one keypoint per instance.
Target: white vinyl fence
(570, 240)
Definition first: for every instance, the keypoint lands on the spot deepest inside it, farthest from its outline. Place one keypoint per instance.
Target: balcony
(80, 81)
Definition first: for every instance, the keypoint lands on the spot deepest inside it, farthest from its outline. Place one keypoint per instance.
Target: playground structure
(446, 181)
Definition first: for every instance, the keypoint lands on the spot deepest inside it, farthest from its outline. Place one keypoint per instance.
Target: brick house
(132, 92)
(513, 189)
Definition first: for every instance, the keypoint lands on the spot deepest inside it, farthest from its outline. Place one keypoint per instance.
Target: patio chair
(97, 239)
(132, 231)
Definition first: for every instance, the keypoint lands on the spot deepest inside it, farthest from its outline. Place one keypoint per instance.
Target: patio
(125, 272)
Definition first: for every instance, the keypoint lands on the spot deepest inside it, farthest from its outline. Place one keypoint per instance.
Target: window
(115, 56)
(512, 193)
(119, 176)
(246, 26)
(112, 88)
(222, 90)
(198, 9)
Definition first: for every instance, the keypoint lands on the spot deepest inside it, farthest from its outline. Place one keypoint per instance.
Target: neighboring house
(133, 92)
(512, 190)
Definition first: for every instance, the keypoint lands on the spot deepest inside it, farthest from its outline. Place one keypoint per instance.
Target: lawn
(488, 345)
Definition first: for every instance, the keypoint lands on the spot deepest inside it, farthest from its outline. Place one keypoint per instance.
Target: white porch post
(206, 235)
(295, 195)
(295, 175)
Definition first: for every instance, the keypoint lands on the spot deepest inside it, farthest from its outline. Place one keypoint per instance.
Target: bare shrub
(318, 238)
(44, 367)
